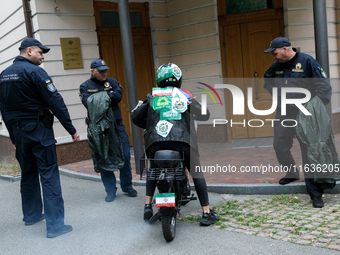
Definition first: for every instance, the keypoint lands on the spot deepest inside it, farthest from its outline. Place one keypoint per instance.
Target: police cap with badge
(278, 42)
(99, 64)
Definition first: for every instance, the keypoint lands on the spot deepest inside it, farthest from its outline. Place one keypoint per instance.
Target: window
(111, 19)
(237, 6)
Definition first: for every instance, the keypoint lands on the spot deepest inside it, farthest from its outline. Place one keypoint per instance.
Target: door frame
(110, 6)
(276, 13)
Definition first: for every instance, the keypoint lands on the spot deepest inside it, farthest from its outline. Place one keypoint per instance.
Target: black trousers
(191, 159)
(283, 142)
(109, 179)
(37, 156)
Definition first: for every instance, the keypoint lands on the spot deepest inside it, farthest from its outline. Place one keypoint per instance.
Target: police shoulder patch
(323, 73)
(50, 85)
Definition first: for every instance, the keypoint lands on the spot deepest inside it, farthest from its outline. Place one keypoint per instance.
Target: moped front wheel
(169, 227)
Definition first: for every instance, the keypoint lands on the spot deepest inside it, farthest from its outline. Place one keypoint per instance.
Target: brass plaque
(71, 51)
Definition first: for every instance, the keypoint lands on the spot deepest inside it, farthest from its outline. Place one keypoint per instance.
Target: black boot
(288, 179)
(317, 202)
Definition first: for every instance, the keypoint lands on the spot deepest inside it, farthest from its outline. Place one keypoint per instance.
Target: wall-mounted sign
(71, 51)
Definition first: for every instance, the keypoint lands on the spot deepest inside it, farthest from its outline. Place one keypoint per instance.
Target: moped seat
(167, 158)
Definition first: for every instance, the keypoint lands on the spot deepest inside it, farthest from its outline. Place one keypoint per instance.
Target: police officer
(28, 98)
(292, 68)
(97, 83)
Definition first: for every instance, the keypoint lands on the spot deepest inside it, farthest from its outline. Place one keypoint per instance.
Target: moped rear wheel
(169, 227)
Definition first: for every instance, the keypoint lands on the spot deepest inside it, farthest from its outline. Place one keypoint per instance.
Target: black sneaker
(209, 218)
(317, 202)
(132, 193)
(30, 223)
(148, 212)
(110, 197)
(63, 230)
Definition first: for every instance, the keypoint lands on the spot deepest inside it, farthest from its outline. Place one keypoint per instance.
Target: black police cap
(28, 42)
(99, 64)
(278, 42)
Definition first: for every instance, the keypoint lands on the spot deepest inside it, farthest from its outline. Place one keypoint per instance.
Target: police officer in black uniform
(100, 82)
(28, 101)
(294, 69)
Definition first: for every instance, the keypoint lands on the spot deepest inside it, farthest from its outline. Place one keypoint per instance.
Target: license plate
(165, 200)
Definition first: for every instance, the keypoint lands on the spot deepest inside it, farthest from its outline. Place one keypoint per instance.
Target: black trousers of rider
(191, 159)
(283, 142)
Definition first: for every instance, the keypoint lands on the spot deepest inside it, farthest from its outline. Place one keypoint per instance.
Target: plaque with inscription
(71, 51)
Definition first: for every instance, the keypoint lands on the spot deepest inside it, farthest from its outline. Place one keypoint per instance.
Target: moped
(167, 168)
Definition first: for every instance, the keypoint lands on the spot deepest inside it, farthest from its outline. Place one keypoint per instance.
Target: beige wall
(183, 32)
(13, 30)
(74, 20)
(186, 33)
(299, 28)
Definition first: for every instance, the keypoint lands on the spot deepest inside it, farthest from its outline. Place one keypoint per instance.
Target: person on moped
(167, 115)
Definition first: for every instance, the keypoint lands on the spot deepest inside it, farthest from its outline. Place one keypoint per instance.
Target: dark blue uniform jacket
(26, 88)
(301, 71)
(93, 85)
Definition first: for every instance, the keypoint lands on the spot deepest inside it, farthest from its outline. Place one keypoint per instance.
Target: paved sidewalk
(281, 222)
(232, 180)
(118, 228)
(285, 213)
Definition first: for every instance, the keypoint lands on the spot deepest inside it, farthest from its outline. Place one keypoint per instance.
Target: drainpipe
(28, 19)
(130, 75)
(321, 38)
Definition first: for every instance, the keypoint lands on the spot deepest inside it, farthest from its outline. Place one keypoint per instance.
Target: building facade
(213, 41)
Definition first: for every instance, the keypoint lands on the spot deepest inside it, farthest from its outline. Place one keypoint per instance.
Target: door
(256, 37)
(112, 53)
(111, 50)
(244, 64)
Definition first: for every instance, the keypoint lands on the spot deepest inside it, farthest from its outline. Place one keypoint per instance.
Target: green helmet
(169, 75)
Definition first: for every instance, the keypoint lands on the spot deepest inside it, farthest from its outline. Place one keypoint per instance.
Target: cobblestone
(305, 242)
(316, 233)
(287, 239)
(320, 245)
(332, 225)
(263, 234)
(334, 247)
(308, 237)
(278, 226)
(279, 218)
(323, 229)
(333, 231)
(309, 226)
(324, 240)
(282, 233)
(330, 235)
